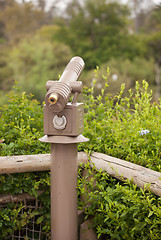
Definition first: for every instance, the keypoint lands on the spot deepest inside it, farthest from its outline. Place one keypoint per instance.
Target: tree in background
(35, 61)
(20, 20)
(18, 23)
(98, 31)
(33, 39)
(139, 12)
(153, 26)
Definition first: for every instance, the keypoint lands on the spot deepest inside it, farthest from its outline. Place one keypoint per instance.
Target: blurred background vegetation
(38, 40)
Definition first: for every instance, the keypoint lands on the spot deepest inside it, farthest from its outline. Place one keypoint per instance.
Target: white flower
(144, 132)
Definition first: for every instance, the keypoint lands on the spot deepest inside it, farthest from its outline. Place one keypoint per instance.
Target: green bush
(21, 125)
(125, 71)
(119, 211)
(124, 127)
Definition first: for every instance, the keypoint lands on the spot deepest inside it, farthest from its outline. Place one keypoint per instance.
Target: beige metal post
(64, 212)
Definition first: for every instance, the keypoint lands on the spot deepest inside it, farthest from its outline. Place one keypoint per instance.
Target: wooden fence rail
(115, 167)
(120, 169)
(29, 163)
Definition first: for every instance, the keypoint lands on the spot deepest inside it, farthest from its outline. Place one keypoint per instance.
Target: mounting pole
(64, 212)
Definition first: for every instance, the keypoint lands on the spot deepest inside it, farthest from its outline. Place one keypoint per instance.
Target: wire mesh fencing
(30, 226)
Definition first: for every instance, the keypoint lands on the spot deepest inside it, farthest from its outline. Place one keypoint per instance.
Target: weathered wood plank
(8, 198)
(30, 163)
(24, 163)
(121, 169)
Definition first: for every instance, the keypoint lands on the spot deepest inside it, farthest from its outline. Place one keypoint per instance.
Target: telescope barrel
(60, 91)
(73, 70)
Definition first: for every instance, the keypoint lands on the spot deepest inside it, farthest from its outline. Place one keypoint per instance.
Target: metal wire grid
(31, 230)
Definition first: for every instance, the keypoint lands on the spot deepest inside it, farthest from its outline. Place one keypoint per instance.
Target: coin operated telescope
(62, 117)
(63, 128)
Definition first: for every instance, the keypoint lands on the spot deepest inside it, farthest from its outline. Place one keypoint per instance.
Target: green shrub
(119, 211)
(21, 125)
(123, 71)
(124, 127)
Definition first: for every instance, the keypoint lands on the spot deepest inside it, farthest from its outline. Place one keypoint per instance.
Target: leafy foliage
(114, 125)
(124, 127)
(35, 49)
(21, 125)
(122, 71)
(119, 210)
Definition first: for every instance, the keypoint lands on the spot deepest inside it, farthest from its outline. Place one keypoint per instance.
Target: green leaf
(40, 219)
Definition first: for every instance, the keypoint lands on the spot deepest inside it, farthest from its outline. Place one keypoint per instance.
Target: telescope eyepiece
(53, 98)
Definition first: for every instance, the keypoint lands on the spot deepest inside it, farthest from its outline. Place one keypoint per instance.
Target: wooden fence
(120, 169)
(115, 167)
